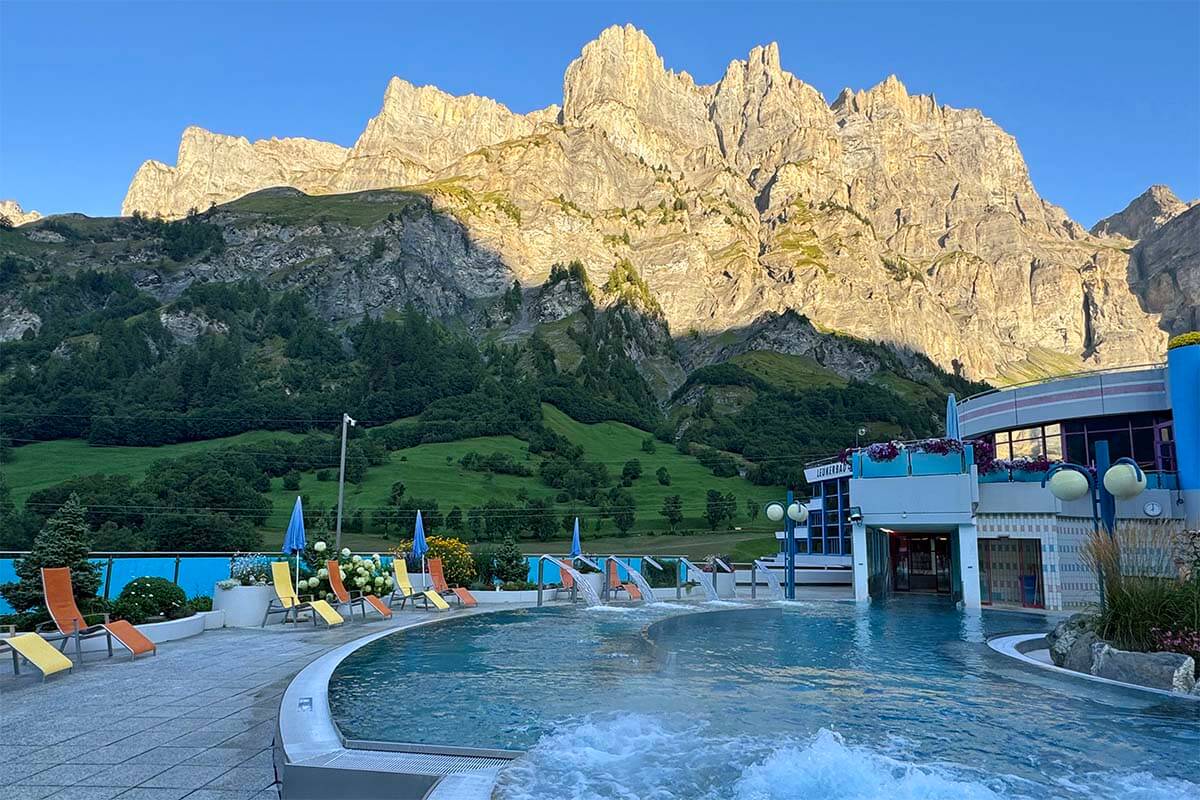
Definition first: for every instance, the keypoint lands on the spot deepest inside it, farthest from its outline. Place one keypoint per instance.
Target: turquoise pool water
(765, 703)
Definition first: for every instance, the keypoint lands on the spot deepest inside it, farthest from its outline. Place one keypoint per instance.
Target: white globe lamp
(1068, 485)
(797, 512)
(775, 511)
(1124, 481)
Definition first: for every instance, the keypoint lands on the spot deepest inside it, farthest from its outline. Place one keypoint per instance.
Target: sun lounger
(615, 585)
(355, 598)
(404, 589)
(440, 586)
(37, 651)
(290, 604)
(73, 626)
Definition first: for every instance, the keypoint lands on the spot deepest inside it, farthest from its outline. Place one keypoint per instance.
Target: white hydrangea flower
(320, 547)
(356, 559)
(345, 552)
(322, 573)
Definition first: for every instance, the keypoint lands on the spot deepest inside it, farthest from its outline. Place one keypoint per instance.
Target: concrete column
(968, 564)
(861, 563)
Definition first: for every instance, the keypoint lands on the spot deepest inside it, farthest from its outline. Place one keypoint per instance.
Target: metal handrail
(1048, 379)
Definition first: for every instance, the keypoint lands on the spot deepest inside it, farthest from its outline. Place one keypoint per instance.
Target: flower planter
(243, 606)
(522, 596)
(896, 468)
(998, 476)
(1028, 475)
(157, 632)
(935, 463)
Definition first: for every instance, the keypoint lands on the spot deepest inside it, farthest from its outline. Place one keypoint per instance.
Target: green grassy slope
(433, 471)
(40, 466)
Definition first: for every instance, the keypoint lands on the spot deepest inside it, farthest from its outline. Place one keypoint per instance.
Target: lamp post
(791, 514)
(1122, 480)
(346, 420)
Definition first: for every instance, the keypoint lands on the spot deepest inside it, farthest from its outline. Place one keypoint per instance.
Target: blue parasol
(419, 547)
(952, 418)
(576, 550)
(294, 542)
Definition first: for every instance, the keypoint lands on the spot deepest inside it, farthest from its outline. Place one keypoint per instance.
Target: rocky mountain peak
(1145, 214)
(12, 210)
(888, 97)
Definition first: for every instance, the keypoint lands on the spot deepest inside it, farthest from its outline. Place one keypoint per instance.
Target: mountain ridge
(882, 214)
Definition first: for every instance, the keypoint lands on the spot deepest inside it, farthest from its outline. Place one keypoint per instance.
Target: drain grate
(411, 763)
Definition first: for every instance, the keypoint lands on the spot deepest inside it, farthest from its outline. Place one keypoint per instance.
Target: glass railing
(198, 573)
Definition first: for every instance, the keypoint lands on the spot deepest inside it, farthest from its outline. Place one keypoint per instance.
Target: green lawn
(40, 466)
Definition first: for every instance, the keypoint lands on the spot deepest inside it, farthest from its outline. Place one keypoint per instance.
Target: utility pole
(346, 420)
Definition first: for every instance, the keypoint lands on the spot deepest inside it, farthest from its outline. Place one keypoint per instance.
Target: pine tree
(510, 562)
(63, 542)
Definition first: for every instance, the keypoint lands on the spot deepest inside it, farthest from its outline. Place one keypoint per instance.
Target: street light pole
(791, 513)
(346, 420)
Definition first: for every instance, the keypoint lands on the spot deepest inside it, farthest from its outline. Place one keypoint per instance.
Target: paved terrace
(195, 721)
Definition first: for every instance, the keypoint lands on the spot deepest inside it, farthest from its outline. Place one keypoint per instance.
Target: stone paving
(195, 721)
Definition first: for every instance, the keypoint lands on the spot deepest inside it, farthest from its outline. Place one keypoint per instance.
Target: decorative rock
(1065, 637)
(1172, 672)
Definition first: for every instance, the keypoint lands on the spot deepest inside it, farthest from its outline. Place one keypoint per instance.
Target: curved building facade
(933, 522)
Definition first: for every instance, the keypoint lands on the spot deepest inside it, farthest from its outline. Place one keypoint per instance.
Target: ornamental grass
(1151, 588)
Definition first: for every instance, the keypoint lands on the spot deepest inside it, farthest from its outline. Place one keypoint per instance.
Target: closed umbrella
(576, 550)
(293, 542)
(952, 418)
(420, 548)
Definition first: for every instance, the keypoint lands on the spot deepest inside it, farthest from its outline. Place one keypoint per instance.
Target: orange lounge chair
(440, 586)
(614, 583)
(355, 598)
(60, 602)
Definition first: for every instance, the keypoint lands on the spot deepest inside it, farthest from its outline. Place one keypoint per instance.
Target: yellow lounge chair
(290, 604)
(404, 589)
(37, 651)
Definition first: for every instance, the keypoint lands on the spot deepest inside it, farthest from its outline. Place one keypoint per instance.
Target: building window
(1146, 438)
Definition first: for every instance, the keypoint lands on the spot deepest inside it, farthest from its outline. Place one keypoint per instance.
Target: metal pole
(341, 486)
(753, 581)
(790, 560)
(541, 562)
(678, 583)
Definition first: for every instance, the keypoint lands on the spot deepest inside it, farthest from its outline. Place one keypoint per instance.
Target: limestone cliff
(1165, 271)
(884, 215)
(12, 211)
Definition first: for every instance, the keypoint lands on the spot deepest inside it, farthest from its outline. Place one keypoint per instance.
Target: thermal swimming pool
(805, 700)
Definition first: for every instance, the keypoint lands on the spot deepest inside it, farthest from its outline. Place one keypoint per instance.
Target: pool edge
(314, 762)
(1010, 645)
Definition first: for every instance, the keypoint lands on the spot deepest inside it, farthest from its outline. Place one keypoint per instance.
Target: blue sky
(1103, 98)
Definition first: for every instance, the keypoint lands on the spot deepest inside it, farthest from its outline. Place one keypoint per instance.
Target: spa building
(931, 522)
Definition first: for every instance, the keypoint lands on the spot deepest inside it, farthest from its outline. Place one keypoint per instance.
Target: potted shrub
(245, 595)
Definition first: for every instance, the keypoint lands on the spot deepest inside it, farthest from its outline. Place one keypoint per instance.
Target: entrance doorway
(921, 562)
